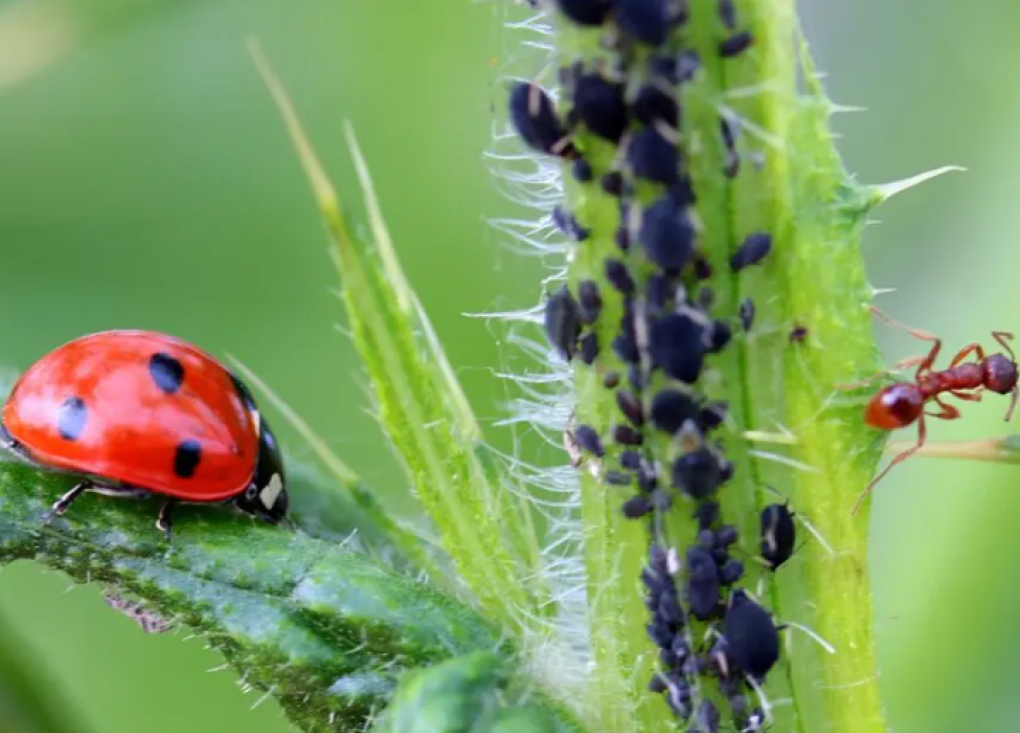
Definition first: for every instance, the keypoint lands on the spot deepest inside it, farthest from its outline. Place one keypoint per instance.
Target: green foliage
(326, 630)
(467, 695)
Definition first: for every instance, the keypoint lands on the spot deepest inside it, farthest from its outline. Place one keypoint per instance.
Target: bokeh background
(145, 181)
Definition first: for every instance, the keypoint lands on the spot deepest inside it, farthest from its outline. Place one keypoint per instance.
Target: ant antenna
(1012, 405)
(1001, 337)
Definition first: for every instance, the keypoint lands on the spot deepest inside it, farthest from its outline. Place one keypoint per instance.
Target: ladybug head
(266, 495)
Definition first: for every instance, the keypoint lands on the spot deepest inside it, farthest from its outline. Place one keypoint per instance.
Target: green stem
(814, 278)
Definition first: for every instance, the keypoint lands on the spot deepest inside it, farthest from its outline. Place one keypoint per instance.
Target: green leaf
(469, 694)
(482, 523)
(325, 630)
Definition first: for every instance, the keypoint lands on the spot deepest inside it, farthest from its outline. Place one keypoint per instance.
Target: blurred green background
(145, 181)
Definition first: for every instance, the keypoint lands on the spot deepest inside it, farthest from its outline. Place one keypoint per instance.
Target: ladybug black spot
(166, 371)
(187, 458)
(72, 418)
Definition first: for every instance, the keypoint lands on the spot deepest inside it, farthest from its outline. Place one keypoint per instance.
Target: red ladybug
(135, 413)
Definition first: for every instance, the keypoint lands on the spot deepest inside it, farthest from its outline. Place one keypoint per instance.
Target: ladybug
(141, 413)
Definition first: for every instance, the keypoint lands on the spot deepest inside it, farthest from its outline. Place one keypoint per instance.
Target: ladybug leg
(164, 521)
(62, 504)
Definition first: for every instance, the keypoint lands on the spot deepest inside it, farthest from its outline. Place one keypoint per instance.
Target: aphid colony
(654, 355)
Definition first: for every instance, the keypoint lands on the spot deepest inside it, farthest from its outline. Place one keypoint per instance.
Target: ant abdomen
(895, 406)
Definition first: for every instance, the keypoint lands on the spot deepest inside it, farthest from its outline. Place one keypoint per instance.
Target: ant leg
(916, 333)
(901, 364)
(922, 436)
(968, 396)
(948, 412)
(967, 351)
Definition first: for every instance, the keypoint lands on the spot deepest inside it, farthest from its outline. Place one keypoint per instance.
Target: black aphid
(702, 582)
(626, 435)
(735, 44)
(729, 129)
(563, 322)
(534, 116)
(667, 234)
(728, 13)
(754, 249)
(713, 415)
(625, 344)
(582, 170)
(731, 571)
(588, 439)
(676, 346)
(798, 334)
(622, 238)
(726, 535)
(590, 348)
(652, 105)
(630, 406)
(619, 276)
(719, 336)
(706, 538)
(618, 478)
(612, 183)
(589, 301)
(585, 12)
(702, 268)
(669, 609)
(746, 313)
(752, 640)
(630, 459)
(697, 473)
(647, 21)
(653, 157)
(664, 68)
(672, 408)
(778, 534)
(599, 104)
(646, 478)
(611, 380)
(637, 506)
(568, 224)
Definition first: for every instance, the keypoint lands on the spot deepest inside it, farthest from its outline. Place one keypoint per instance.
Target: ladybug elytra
(139, 413)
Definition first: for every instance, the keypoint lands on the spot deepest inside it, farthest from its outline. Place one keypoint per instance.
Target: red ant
(901, 404)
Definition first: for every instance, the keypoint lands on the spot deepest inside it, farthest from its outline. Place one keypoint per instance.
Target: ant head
(1000, 374)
